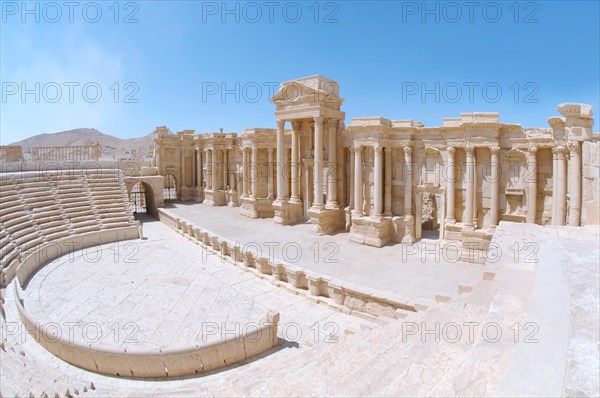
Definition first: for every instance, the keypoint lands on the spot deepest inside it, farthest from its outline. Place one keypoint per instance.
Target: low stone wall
(167, 362)
(56, 248)
(343, 296)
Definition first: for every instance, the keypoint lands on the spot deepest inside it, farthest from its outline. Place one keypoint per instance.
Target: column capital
(296, 125)
(559, 151)
(451, 150)
(387, 150)
(469, 149)
(356, 148)
(377, 148)
(281, 124)
(574, 148)
(319, 120)
(532, 150)
(494, 149)
(408, 150)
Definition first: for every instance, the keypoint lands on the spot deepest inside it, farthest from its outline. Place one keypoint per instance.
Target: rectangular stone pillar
(281, 183)
(270, 172)
(532, 185)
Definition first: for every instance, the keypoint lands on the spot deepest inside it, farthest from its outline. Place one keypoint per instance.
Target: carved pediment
(316, 91)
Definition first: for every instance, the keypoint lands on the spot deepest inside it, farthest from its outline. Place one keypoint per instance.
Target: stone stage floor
(420, 271)
(157, 293)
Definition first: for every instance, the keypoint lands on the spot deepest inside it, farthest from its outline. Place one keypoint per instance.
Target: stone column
(358, 188)
(281, 185)
(378, 181)
(225, 169)
(494, 187)
(532, 185)
(351, 198)
(387, 202)
(470, 196)
(408, 180)
(332, 172)
(213, 169)
(254, 172)
(559, 198)
(182, 165)
(244, 173)
(270, 172)
(205, 177)
(318, 166)
(198, 167)
(451, 188)
(574, 183)
(296, 126)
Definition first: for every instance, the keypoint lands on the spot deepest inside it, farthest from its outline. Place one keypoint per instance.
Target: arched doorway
(170, 191)
(138, 198)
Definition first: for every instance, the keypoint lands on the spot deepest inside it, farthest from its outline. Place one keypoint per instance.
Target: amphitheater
(378, 258)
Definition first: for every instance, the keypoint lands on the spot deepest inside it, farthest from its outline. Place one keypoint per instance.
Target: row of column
(559, 184)
(75, 153)
(252, 153)
(383, 197)
(282, 188)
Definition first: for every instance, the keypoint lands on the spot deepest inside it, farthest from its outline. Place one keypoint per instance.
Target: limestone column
(225, 169)
(198, 167)
(470, 196)
(318, 166)
(281, 185)
(532, 185)
(296, 126)
(352, 178)
(270, 172)
(408, 180)
(559, 198)
(451, 188)
(387, 202)
(254, 172)
(244, 173)
(213, 169)
(358, 188)
(206, 175)
(574, 183)
(377, 210)
(182, 182)
(494, 187)
(332, 173)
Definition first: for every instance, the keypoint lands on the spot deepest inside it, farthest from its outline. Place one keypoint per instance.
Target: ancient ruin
(376, 257)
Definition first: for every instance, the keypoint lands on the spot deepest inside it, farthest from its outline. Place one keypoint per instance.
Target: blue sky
(155, 60)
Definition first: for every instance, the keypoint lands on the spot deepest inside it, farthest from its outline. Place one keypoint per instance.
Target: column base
(232, 199)
(257, 207)
(371, 231)
(286, 213)
(198, 194)
(474, 246)
(214, 198)
(326, 221)
(187, 193)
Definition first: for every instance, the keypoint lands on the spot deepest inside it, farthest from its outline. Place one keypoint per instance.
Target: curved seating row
(37, 208)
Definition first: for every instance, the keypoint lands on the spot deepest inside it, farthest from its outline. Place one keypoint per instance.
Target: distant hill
(113, 148)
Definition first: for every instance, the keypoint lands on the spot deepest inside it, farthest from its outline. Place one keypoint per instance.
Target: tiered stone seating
(40, 207)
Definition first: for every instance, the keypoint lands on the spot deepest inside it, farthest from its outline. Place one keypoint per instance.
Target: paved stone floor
(419, 271)
(160, 292)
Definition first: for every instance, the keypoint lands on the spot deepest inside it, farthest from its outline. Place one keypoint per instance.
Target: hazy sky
(127, 67)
